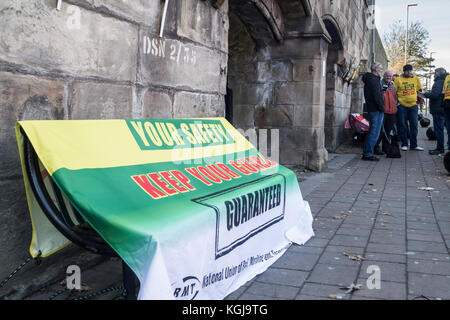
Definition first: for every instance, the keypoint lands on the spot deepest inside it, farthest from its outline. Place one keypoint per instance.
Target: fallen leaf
(357, 258)
(335, 296)
(347, 213)
(383, 225)
(84, 287)
(351, 288)
(426, 188)
(337, 217)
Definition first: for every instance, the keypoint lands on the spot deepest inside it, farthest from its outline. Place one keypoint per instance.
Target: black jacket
(436, 96)
(372, 93)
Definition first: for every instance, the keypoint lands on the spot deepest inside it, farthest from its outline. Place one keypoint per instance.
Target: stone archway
(254, 25)
(335, 96)
(263, 18)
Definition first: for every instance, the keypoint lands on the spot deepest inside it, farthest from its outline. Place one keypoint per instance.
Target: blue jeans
(408, 115)
(376, 121)
(397, 125)
(438, 125)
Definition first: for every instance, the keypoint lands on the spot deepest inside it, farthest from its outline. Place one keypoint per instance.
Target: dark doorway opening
(229, 105)
(334, 88)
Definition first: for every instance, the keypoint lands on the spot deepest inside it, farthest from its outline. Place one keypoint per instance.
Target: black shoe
(436, 151)
(372, 158)
(379, 153)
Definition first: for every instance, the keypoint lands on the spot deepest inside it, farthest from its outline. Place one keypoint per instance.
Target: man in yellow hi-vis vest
(447, 88)
(446, 104)
(407, 86)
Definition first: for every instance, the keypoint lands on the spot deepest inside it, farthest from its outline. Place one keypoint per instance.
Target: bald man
(390, 110)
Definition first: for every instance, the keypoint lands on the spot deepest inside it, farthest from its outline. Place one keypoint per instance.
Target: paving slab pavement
(375, 210)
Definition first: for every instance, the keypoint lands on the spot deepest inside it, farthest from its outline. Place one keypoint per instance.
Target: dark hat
(431, 135)
(407, 67)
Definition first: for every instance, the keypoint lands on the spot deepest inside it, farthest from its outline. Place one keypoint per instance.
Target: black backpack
(431, 135)
(392, 148)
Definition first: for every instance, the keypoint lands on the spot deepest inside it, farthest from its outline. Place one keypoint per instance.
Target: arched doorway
(335, 108)
(253, 28)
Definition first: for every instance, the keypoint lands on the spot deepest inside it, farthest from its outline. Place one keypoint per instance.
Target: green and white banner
(189, 204)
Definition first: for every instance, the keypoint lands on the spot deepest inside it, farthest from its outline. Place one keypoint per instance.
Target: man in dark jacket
(436, 100)
(375, 108)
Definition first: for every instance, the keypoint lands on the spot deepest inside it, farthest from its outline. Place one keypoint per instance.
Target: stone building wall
(266, 64)
(380, 52)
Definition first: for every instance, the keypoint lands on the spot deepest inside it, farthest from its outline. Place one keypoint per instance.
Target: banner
(189, 204)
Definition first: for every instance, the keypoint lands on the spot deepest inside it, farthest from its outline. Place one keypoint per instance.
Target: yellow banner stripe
(81, 144)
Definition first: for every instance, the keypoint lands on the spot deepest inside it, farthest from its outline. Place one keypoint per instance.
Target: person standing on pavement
(436, 97)
(375, 108)
(390, 111)
(446, 106)
(407, 86)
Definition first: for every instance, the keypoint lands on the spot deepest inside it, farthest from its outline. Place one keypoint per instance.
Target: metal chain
(59, 292)
(122, 296)
(12, 274)
(103, 291)
(90, 295)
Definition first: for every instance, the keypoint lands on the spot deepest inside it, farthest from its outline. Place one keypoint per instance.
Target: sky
(435, 16)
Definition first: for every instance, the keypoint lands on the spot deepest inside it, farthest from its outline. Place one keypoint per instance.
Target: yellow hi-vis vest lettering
(447, 88)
